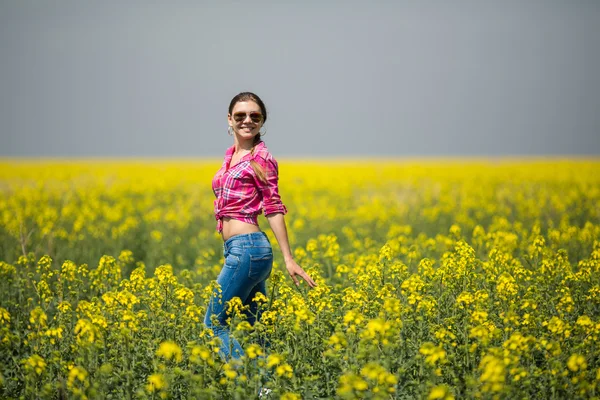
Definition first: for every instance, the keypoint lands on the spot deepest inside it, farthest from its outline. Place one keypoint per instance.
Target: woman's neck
(245, 145)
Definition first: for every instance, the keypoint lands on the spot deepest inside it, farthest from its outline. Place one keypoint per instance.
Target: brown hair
(249, 96)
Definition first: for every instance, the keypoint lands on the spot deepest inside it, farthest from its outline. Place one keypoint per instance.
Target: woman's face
(246, 119)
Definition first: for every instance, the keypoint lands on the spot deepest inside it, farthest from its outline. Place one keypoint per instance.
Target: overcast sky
(343, 78)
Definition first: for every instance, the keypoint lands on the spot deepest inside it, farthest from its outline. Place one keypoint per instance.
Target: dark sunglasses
(254, 116)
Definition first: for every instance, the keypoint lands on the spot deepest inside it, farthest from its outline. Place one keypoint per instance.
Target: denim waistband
(249, 238)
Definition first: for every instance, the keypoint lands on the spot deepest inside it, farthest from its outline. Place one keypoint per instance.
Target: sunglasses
(256, 117)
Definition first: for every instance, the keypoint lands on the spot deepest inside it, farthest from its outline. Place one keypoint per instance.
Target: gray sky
(390, 78)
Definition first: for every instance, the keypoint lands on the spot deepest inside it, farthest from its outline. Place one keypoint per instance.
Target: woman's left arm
(277, 223)
(274, 211)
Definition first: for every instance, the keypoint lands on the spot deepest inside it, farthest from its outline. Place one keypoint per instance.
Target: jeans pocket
(232, 261)
(236, 250)
(260, 266)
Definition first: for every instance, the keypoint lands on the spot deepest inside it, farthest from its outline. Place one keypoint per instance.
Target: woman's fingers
(297, 270)
(294, 279)
(308, 279)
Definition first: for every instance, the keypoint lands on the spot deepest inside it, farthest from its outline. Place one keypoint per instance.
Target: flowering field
(437, 280)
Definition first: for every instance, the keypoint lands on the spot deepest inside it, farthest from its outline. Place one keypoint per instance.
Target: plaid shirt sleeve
(269, 190)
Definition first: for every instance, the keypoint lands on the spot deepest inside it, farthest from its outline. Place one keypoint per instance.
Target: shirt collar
(257, 149)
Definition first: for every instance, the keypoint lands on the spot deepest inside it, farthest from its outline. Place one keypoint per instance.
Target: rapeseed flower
(506, 286)
(433, 354)
(201, 353)
(284, 370)
(490, 255)
(4, 316)
(77, 374)
(38, 318)
(35, 364)
(290, 396)
(274, 360)
(170, 350)
(349, 383)
(492, 374)
(54, 334)
(86, 331)
(156, 382)
(254, 351)
(576, 362)
(440, 392)
(229, 371)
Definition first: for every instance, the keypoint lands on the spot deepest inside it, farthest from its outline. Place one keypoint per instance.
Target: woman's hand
(295, 270)
(277, 223)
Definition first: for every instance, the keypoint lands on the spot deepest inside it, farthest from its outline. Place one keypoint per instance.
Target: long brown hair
(249, 96)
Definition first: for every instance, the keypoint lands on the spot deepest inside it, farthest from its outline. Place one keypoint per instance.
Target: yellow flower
(68, 271)
(350, 317)
(259, 298)
(79, 374)
(360, 384)
(455, 231)
(557, 326)
(444, 335)
(156, 382)
(170, 350)
(338, 341)
(86, 331)
(156, 235)
(201, 353)
(254, 351)
(432, 353)
(38, 317)
(479, 317)
(284, 369)
(235, 307)
(35, 363)
(290, 396)
(229, 371)
(244, 326)
(4, 316)
(465, 299)
(385, 254)
(64, 307)
(584, 321)
(107, 275)
(184, 295)
(126, 257)
(7, 270)
(273, 360)
(440, 392)
(492, 373)
(54, 334)
(576, 362)
(413, 285)
(376, 328)
(483, 332)
(506, 286)
(164, 275)
(379, 377)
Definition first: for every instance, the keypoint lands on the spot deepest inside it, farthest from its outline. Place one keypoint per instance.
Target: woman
(247, 184)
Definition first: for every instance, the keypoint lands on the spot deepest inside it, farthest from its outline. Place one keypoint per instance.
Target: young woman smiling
(245, 186)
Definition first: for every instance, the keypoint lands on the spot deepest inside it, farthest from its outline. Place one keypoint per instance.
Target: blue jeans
(248, 264)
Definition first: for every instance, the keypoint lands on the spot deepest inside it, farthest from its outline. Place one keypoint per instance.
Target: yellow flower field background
(437, 280)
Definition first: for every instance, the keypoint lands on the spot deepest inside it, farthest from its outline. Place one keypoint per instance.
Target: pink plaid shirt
(240, 194)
